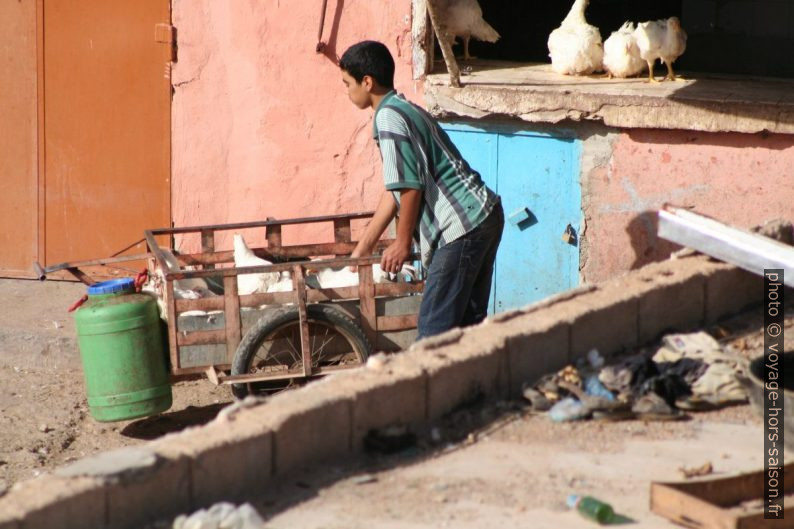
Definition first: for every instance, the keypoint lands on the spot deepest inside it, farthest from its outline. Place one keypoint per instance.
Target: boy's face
(359, 93)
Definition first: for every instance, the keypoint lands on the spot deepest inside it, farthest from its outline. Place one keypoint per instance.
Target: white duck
(251, 283)
(575, 47)
(330, 278)
(463, 18)
(661, 39)
(621, 53)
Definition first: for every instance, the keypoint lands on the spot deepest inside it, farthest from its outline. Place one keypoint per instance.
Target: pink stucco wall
(739, 179)
(262, 125)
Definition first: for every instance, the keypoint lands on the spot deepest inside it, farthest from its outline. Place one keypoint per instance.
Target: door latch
(569, 235)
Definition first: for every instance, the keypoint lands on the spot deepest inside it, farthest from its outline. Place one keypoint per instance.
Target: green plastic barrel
(126, 374)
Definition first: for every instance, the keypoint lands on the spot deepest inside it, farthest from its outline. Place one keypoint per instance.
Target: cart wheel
(273, 345)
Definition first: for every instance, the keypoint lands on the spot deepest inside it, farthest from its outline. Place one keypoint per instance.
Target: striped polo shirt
(418, 154)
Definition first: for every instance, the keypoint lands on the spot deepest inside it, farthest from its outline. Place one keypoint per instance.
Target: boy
(441, 201)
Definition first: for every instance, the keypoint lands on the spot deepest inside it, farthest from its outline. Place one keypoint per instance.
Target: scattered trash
(595, 359)
(568, 409)
(43, 428)
(222, 516)
(570, 374)
(688, 372)
(389, 440)
(537, 400)
(652, 407)
(376, 362)
(435, 435)
(364, 479)
(703, 470)
(591, 508)
(594, 387)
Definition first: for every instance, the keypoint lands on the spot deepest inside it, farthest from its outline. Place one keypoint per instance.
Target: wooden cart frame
(294, 258)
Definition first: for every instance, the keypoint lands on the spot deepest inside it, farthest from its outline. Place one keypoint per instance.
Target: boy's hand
(395, 255)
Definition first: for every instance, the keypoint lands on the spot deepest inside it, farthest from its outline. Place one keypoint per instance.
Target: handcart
(267, 340)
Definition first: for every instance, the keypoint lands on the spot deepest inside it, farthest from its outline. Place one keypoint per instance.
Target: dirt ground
(515, 469)
(44, 419)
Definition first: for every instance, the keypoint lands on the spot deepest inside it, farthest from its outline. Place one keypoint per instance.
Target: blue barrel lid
(112, 286)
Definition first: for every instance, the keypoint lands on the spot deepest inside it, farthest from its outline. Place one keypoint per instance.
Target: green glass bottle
(591, 508)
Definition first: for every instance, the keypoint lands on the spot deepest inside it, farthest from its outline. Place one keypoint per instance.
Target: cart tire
(283, 324)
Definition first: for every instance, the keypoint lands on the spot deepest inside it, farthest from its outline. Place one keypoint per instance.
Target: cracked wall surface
(739, 179)
(261, 123)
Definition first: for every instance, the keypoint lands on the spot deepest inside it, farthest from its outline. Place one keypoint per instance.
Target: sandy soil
(513, 471)
(44, 418)
(516, 471)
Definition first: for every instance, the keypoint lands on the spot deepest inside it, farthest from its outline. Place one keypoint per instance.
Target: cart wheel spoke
(273, 346)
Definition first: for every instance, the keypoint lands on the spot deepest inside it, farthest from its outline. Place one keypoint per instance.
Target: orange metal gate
(18, 138)
(93, 170)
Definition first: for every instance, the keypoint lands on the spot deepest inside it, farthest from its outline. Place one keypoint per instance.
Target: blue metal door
(537, 176)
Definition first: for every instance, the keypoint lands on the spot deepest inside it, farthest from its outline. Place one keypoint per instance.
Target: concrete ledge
(393, 394)
(729, 290)
(309, 426)
(671, 297)
(227, 458)
(50, 501)
(241, 451)
(460, 373)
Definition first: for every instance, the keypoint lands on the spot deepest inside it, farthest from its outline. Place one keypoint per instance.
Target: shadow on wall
(759, 140)
(648, 247)
(328, 47)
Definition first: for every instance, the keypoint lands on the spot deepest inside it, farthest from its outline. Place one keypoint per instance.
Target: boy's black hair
(369, 58)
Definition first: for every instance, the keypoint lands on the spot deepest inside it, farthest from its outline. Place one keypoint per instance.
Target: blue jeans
(458, 285)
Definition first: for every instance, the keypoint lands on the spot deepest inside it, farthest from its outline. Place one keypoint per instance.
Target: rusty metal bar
(158, 253)
(342, 233)
(277, 253)
(172, 325)
(366, 294)
(231, 312)
(92, 262)
(278, 267)
(273, 234)
(299, 285)
(81, 276)
(194, 371)
(282, 375)
(397, 323)
(208, 245)
(259, 224)
(398, 289)
(201, 338)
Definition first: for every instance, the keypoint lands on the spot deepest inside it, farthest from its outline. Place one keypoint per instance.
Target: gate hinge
(166, 33)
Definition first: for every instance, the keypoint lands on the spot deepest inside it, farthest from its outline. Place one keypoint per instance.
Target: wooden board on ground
(732, 502)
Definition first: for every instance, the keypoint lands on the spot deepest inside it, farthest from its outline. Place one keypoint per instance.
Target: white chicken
(575, 47)
(251, 283)
(621, 53)
(330, 278)
(463, 18)
(661, 39)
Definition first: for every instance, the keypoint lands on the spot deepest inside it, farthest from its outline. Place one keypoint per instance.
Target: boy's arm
(397, 253)
(384, 214)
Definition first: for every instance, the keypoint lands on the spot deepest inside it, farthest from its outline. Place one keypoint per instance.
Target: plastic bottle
(591, 508)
